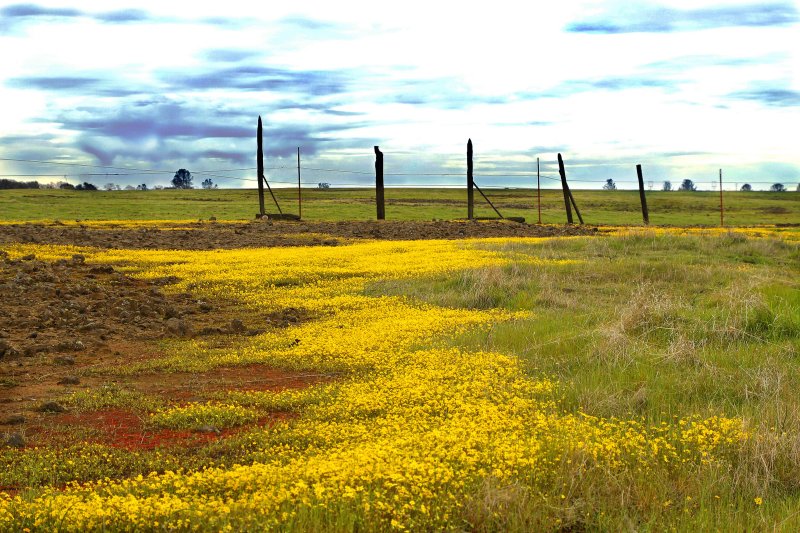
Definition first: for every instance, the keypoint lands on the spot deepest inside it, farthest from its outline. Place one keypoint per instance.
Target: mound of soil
(219, 235)
(66, 322)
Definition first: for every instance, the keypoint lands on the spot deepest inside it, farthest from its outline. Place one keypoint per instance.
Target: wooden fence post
(379, 199)
(260, 168)
(299, 194)
(645, 213)
(721, 209)
(538, 192)
(565, 188)
(470, 181)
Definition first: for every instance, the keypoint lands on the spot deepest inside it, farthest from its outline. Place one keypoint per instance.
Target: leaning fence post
(379, 200)
(645, 213)
(565, 188)
(470, 181)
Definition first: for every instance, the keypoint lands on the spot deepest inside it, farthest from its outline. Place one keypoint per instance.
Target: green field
(597, 207)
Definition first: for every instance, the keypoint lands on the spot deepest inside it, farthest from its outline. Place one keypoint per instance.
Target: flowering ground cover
(642, 380)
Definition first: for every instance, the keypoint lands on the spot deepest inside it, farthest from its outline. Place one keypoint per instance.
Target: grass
(597, 207)
(651, 327)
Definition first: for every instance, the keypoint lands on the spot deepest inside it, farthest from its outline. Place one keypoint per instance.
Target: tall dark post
(565, 188)
(721, 209)
(299, 194)
(260, 168)
(470, 181)
(379, 200)
(538, 191)
(645, 213)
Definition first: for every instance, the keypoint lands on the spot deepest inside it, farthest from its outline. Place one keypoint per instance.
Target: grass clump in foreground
(624, 382)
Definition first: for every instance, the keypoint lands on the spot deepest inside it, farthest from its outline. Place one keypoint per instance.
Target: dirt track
(224, 235)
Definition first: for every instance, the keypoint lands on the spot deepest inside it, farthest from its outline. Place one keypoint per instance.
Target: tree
(208, 184)
(324, 185)
(667, 186)
(85, 186)
(798, 187)
(142, 187)
(182, 179)
(130, 188)
(687, 185)
(111, 187)
(746, 187)
(777, 187)
(610, 185)
(65, 185)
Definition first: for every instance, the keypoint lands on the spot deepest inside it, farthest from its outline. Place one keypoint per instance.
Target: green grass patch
(597, 207)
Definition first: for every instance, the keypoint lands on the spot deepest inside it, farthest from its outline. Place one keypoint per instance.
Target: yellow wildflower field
(408, 438)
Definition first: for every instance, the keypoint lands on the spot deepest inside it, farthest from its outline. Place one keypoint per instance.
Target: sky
(129, 92)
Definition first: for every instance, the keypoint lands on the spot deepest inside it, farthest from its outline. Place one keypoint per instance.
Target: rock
(14, 420)
(237, 326)
(78, 258)
(70, 346)
(177, 326)
(15, 440)
(52, 407)
(69, 380)
(7, 349)
(208, 429)
(29, 257)
(102, 269)
(34, 349)
(65, 360)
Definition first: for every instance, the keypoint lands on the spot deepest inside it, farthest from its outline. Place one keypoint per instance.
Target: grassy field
(597, 207)
(644, 380)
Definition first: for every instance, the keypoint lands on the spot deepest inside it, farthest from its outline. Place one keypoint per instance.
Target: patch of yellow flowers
(412, 430)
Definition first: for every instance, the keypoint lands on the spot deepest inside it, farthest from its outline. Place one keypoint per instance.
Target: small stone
(65, 360)
(52, 407)
(15, 440)
(7, 350)
(14, 420)
(237, 326)
(32, 350)
(177, 326)
(69, 380)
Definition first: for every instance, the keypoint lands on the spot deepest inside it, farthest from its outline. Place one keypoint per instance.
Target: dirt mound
(219, 235)
(66, 322)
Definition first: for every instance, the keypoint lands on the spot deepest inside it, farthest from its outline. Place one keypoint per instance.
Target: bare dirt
(68, 325)
(226, 235)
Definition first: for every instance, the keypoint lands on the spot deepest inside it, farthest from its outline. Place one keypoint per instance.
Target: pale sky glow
(683, 87)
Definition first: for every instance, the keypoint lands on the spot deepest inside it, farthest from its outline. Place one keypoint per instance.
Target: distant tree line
(12, 184)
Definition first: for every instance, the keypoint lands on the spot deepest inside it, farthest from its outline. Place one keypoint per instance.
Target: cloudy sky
(121, 87)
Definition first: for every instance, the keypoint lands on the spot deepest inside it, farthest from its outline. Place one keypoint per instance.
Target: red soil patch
(121, 428)
(192, 386)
